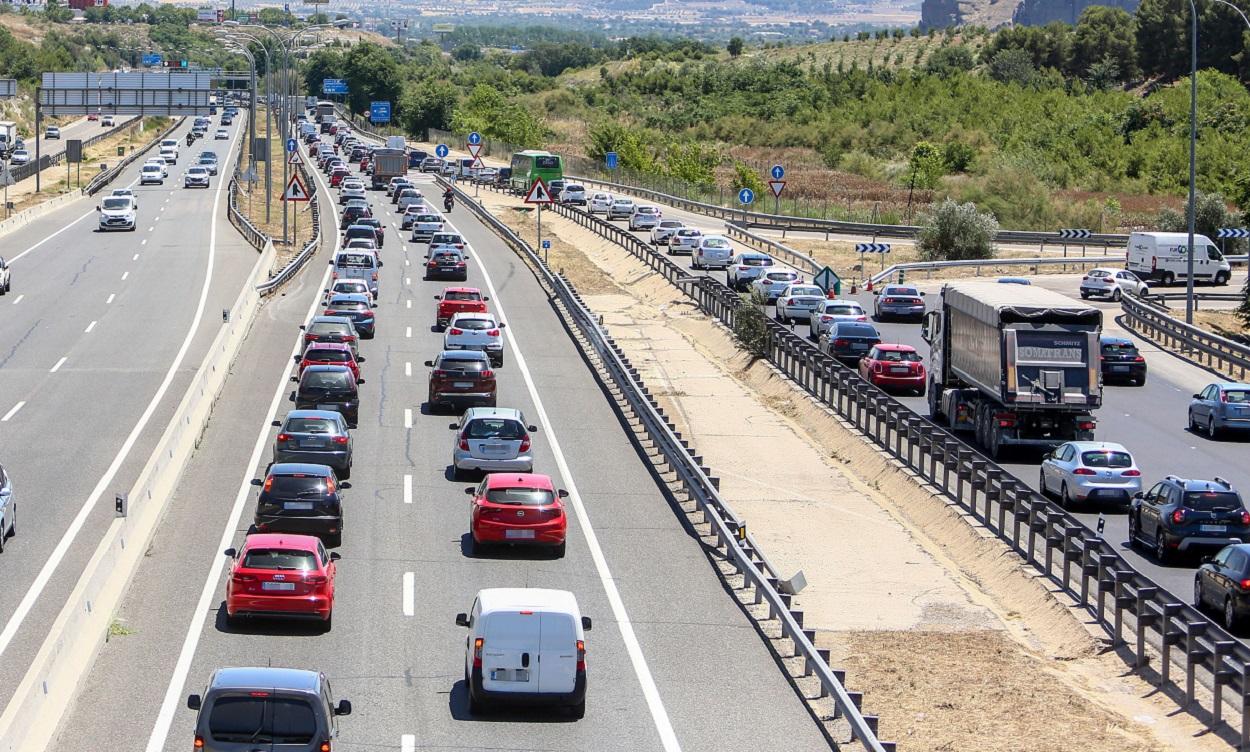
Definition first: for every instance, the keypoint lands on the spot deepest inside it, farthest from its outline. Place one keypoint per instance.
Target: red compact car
(331, 354)
(518, 508)
(337, 176)
(459, 300)
(893, 367)
(281, 575)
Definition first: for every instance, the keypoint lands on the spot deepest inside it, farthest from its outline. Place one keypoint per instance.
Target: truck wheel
(1221, 278)
(934, 403)
(1168, 278)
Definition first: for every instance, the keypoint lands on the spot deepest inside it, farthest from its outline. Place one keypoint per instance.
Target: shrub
(957, 231)
(745, 177)
(750, 328)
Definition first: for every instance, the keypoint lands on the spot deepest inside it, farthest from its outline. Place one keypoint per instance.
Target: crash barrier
(310, 248)
(800, 261)
(1156, 323)
(900, 271)
(250, 232)
(21, 172)
(48, 689)
(739, 546)
(1121, 600)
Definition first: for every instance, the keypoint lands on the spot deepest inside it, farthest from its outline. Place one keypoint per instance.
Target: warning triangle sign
(478, 163)
(294, 158)
(538, 193)
(295, 190)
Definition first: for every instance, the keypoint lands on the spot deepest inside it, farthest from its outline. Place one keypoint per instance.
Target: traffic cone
(853, 288)
(868, 286)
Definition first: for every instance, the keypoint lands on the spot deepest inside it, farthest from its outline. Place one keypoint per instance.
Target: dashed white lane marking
(408, 369)
(90, 327)
(110, 300)
(136, 256)
(407, 489)
(12, 412)
(407, 280)
(408, 331)
(145, 242)
(407, 417)
(410, 596)
(18, 299)
(125, 275)
(58, 365)
(407, 743)
(410, 304)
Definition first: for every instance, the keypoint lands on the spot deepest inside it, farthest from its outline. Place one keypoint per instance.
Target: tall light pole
(1189, 297)
(1193, 158)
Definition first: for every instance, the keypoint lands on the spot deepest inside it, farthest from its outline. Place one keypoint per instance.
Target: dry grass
(27, 28)
(1225, 323)
(880, 53)
(255, 208)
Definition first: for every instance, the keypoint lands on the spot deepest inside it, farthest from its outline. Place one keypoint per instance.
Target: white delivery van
(1164, 257)
(525, 646)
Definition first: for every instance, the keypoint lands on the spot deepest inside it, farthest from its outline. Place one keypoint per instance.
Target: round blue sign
(441, 150)
(778, 172)
(475, 138)
(291, 145)
(746, 196)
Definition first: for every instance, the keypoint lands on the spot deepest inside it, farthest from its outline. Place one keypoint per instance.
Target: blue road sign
(546, 245)
(442, 151)
(380, 112)
(475, 138)
(291, 145)
(152, 58)
(746, 196)
(778, 172)
(872, 247)
(610, 160)
(333, 86)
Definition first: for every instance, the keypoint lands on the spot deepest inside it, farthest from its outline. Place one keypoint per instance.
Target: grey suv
(1181, 516)
(245, 709)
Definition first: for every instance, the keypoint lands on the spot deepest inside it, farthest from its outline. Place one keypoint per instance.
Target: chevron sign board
(1233, 232)
(1071, 233)
(872, 247)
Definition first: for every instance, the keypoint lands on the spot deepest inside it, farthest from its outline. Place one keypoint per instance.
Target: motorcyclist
(449, 199)
(190, 138)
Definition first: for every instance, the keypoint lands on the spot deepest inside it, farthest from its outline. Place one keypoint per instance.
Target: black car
(302, 498)
(1121, 361)
(505, 173)
(849, 341)
(447, 264)
(358, 309)
(352, 214)
(227, 120)
(379, 229)
(1179, 516)
(329, 388)
(1223, 582)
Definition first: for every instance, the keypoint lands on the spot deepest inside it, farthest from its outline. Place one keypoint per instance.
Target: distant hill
(940, 14)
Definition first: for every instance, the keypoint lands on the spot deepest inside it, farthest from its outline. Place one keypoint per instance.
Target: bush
(1211, 214)
(750, 328)
(745, 177)
(957, 231)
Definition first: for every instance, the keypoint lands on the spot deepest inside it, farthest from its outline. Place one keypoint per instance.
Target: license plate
(1119, 369)
(297, 505)
(510, 674)
(463, 384)
(859, 347)
(519, 534)
(328, 407)
(313, 443)
(277, 586)
(1213, 528)
(898, 369)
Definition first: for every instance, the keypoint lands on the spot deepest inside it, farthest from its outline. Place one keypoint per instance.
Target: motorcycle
(190, 138)
(448, 203)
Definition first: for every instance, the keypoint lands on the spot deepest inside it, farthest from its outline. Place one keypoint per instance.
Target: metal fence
(21, 172)
(1155, 323)
(1062, 548)
(740, 547)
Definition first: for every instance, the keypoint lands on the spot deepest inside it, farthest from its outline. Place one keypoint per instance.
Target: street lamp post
(1193, 159)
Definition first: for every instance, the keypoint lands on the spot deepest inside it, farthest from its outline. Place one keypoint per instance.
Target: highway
(98, 340)
(673, 661)
(78, 129)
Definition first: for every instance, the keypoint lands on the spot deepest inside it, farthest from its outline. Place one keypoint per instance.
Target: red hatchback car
(337, 176)
(331, 354)
(518, 508)
(893, 367)
(458, 300)
(282, 575)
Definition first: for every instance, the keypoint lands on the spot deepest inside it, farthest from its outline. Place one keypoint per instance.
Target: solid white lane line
(54, 559)
(18, 299)
(407, 417)
(407, 489)
(408, 368)
(111, 296)
(407, 743)
(408, 331)
(59, 363)
(659, 715)
(410, 594)
(125, 275)
(90, 327)
(12, 412)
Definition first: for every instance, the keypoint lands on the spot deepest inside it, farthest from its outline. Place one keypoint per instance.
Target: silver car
(409, 197)
(196, 177)
(8, 508)
(797, 302)
(599, 203)
(1112, 283)
(898, 301)
(684, 241)
(1219, 407)
(770, 284)
(353, 191)
(476, 331)
(745, 267)
(621, 208)
(317, 437)
(492, 439)
(1090, 471)
(829, 312)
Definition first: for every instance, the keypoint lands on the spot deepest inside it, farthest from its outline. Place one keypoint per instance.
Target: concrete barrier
(28, 215)
(47, 691)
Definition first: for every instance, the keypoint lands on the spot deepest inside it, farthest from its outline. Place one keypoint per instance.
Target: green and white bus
(529, 165)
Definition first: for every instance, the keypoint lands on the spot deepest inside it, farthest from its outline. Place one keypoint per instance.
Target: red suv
(332, 354)
(337, 176)
(461, 377)
(518, 508)
(282, 575)
(458, 300)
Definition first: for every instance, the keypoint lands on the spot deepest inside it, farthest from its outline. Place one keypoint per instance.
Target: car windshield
(116, 203)
(856, 330)
(326, 355)
(527, 497)
(474, 324)
(494, 428)
(262, 720)
(1240, 396)
(813, 290)
(463, 295)
(277, 558)
(1106, 458)
(326, 380)
(1212, 501)
(898, 356)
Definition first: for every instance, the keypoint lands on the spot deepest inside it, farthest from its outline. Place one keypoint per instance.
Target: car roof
(495, 412)
(329, 346)
(535, 599)
(323, 319)
(1107, 339)
(281, 540)
(1098, 446)
(1231, 385)
(462, 289)
(300, 468)
(462, 355)
(266, 677)
(473, 315)
(326, 414)
(892, 347)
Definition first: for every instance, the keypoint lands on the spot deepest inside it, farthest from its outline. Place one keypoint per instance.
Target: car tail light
(433, 263)
(310, 338)
(1244, 584)
(349, 338)
(315, 579)
(1245, 517)
(269, 484)
(441, 374)
(454, 330)
(459, 263)
(1086, 425)
(330, 485)
(488, 374)
(841, 342)
(525, 443)
(340, 439)
(1139, 359)
(1083, 471)
(862, 318)
(1223, 396)
(493, 333)
(826, 318)
(375, 276)
(199, 742)
(890, 300)
(789, 301)
(477, 652)
(464, 444)
(284, 437)
(1131, 474)
(876, 368)
(244, 578)
(1005, 420)
(325, 746)
(1178, 516)
(581, 655)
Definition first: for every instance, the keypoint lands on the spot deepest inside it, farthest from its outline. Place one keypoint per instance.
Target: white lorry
(8, 137)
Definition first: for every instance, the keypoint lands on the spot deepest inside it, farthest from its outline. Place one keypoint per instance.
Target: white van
(1164, 256)
(525, 646)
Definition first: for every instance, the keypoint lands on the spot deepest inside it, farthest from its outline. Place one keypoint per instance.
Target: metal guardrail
(741, 548)
(799, 261)
(310, 248)
(21, 172)
(107, 176)
(1155, 323)
(1056, 544)
(978, 264)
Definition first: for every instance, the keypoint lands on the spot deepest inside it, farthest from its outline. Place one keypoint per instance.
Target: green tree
(428, 104)
(1210, 212)
(633, 146)
(1013, 65)
(751, 327)
(745, 177)
(488, 111)
(1163, 36)
(735, 46)
(926, 165)
(372, 74)
(322, 64)
(957, 231)
(1243, 310)
(467, 52)
(57, 11)
(950, 60)
(1105, 34)
(692, 162)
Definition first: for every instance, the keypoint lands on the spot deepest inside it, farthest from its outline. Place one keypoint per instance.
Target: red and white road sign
(294, 158)
(295, 190)
(538, 193)
(478, 163)
(776, 186)
(474, 150)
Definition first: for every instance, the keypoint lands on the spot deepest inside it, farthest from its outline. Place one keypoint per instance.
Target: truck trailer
(1015, 365)
(387, 164)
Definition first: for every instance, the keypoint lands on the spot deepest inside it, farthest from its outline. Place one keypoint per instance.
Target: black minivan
(329, 387)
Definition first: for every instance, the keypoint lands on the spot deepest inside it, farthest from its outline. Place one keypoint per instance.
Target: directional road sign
(827, 279)
(475, 138)
(333, 86)
(6, 177)
(442, 151)
(475, 150)
(610, 160)
(152, 58)
(776, 186)
(872, 247)
(746, 196)
(538, 193)
(380, 112)
(1233, 232)
(1074, 233)
(546, 245)
(291, 145)
(778, 172)
(295, 190)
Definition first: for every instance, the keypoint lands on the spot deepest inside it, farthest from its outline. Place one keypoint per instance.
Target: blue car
(1220, 407)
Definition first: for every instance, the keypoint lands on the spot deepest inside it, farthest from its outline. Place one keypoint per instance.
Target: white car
(425, 224)
(221, 134)
(664, 230)
(829, 312)
(169, 154)
(158, 162)
(574, 194)
(746, 266)
(684, 241)
(486, 175)
(475, 331)
(621, 208)
(797, 301)
(118, 213)
(151, 175)
(409, 197)
(107, 121)
(19, 157)
(52, 132)
(196, 177)
(645, 217)
(347, 194)
(1111, 283)
(348, 287)
(770, 284)
(453, 239)
(127, 193)
(713, 252)
(599, 203)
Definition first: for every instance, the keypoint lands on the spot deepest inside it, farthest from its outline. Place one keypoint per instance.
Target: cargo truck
(8, 137)
(387, 164)
(1015, 365)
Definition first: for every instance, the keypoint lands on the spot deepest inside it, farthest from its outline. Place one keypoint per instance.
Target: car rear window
(1237, 395)
(847, 309)
(527, 497)
(911, 291)
(279, 558)
(327, 355)
(446, 256)
(1106, 459)
(716, 243)
(328, 328)
(351, 288)
(475, 324)
(1099, 273)
(462, 295)
(757, 262)
(355, 260)
(807, 291)
(1119, 348)
(445, 238)
(574, 188)
(326, 380)
(428, 218)
(898, 356)
(494, 428)
(297, 485)
(360, 232)
(856, 330)
(262, 720)
(464, 366)
(1212, 501)
(310, 425)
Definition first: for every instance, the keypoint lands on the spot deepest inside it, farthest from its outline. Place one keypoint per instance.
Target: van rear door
(558, 653)
(511, 650)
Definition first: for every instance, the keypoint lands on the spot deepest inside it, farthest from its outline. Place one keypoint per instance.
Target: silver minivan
(492, 439)
(360, 264)
(271, 709)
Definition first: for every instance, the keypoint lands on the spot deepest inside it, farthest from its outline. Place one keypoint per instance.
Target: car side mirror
(375, 305)
(469, 490)
(257, 482)
(502, 325)
(335, 556)
(532, 429)
(429, 364)
(276, 424)
(344, 708)
(923, 294)
(1139, 495)
(360, 381)
(484, 298)
(294, 378)
(361, 358)
(231, 552)
(437, 297)
(194, 702)
(452, 426)
(877, 291)
(302, 328)
(295, 358)
(1206, 559)
(345, 484)
(586, 623)
(325, 290)
(1197, 396)
(462, 620)
(330, 262)
(291, 397)
(97, 208)
(562, 494)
